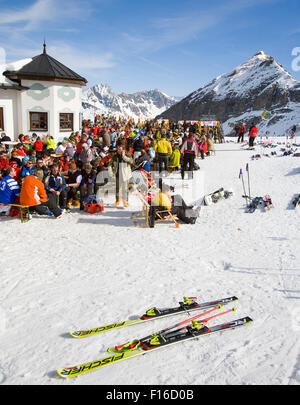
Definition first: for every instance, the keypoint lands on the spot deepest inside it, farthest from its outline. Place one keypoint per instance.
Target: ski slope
(84, 271)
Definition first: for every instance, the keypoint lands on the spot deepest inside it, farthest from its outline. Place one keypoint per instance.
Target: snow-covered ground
(87, 270)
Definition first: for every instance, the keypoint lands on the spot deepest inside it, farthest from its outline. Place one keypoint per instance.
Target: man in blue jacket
(55, 185)
(9, 191)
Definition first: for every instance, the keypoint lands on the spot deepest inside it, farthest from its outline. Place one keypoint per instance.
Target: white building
(40, 95)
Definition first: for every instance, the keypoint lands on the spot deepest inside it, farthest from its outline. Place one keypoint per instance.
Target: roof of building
(44, 67)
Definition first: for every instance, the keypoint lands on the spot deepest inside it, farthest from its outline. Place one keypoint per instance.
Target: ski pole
(247, 169)
(135, 342)
(242, 177)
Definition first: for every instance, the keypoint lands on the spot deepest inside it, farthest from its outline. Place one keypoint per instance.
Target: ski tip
(59, 373)
(75, 334)
(233, 309)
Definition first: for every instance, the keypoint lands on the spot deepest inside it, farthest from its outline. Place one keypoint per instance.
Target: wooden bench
(24, 211)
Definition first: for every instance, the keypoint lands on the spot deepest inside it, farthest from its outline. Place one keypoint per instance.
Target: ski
(188, 305)
(155, 342)
(209, 199)
(268, 204)
(254, 204)
(296, 201)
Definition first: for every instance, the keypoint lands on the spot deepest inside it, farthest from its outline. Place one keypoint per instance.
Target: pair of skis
(188, 329)
(266, 201)
(268, 204)
(254, 202)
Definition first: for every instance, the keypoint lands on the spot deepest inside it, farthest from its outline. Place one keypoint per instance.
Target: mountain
(242, 95)
(144, 104)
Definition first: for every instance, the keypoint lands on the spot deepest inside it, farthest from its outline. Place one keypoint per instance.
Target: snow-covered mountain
(143, 105)
(258, 85)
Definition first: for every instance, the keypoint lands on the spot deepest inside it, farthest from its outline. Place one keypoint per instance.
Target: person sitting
(9, 190)
(60, 150)
(55, 185)
(4, 138)
(38, 146)
(28, 168)
(4, 162)
(142, 162)
(50, 144)
(163, 200)
(41, 166)
(87, 183)
(73, 182)
(33, 195)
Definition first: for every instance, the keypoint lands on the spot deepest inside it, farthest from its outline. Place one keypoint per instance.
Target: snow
(246, 77)
(101, 99)
(85, 271)
(13, 66)
(283, 118)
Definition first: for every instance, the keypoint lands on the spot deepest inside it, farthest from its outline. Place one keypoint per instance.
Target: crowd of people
(51, 177)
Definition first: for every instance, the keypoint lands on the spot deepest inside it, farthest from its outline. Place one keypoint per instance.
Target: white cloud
(81, 59)
(38, 13)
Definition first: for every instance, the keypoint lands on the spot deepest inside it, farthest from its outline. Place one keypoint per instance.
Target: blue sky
(132, 45)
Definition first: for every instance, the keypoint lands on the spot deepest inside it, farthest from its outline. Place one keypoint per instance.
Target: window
(1, 119)
(66, 122)
(38, 121)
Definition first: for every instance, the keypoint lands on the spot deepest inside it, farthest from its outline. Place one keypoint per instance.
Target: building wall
(53, 98)
(9, 103)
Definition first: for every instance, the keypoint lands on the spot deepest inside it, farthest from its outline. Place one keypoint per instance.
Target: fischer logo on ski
(189, 304)
(84, 368)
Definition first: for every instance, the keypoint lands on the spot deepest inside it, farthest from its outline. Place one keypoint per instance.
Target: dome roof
(44, 67)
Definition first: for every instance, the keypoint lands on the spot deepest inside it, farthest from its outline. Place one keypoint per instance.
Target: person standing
(253, 131)
(163, 151)
(242, 132)
(189, 151)
(122, 163)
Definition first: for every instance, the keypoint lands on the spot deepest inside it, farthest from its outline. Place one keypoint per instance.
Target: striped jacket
(9, 190)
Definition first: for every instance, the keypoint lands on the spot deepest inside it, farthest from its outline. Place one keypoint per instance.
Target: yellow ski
(95, 331)
(94, 365)
(187, 306)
